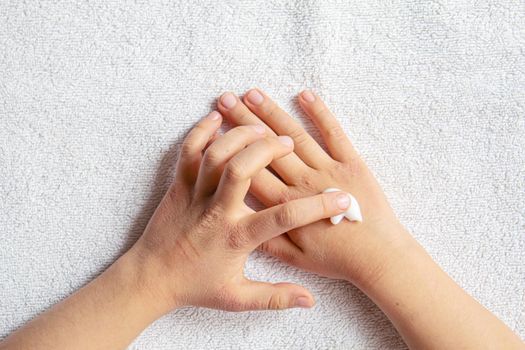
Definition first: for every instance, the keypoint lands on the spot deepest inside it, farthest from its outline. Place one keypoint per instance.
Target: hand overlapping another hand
(200, 236)
(351, 250)
(194, 248)
(203, 231)
(214, 231)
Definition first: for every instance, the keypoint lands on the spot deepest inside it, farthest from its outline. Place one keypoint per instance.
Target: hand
(354, 251)
(197, 242)
(193, 249)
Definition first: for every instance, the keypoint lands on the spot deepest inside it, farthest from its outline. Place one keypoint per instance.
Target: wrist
(400, 264)
(141, 276)
(384, 256)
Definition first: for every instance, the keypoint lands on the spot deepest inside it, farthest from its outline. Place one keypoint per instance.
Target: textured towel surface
(96, 95)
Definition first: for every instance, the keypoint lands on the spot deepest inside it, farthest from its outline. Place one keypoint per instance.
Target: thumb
(267, 296)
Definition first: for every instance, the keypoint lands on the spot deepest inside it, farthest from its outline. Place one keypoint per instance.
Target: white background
(96, 95)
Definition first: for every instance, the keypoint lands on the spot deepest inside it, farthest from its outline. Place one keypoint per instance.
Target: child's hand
(194, 248)
(354, 251)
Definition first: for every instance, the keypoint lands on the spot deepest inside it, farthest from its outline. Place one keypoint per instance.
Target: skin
(379, 256)
(193, 250)
(195, 246)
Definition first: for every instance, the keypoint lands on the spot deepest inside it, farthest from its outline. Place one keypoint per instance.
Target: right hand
(358, 252)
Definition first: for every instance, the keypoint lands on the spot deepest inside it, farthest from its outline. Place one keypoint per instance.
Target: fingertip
(303, 298)
(227, 100)
(308, 96)
(304, 302)
(214, 116)
(212, 122)
(298, 296)
(254, 96)
(338, 201)
(343, 200)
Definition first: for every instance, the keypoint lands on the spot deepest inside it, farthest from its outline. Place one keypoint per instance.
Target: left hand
(194, 248)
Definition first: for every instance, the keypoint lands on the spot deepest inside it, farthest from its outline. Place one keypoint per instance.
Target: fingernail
(259, 129)
(214, 115)
(308, 96)
(255, 97)
(286, 140)
(303, 302)
(343, 201)
(228, 100)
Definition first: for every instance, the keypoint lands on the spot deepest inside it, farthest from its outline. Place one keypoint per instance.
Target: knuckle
(212, 156)
(335, 132)
(173, 193)
(298, 135)
(284, 197)
(172, 201)
(309, 183)
(252, 231)
(187, 149)
(276, 302)
(323, 204)
(213, 217)
(237, 239)
(286, 217)
(352, 167)
(234, 171)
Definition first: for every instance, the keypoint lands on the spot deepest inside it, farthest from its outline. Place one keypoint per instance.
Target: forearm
(108, 313)
(430, 310)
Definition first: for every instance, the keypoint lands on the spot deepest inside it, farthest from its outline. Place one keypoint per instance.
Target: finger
(268, 223)
(190, 154)
(235, 180)
(220, 152)
(283, 124)
(267, 188)
(282, 248)
(338, 144)
(213, 139)
(291, 167)
(253, 295)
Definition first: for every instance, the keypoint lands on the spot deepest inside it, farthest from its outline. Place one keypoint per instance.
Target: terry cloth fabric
(96, 95)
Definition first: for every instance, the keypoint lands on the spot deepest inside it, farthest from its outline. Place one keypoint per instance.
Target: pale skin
(195, 246)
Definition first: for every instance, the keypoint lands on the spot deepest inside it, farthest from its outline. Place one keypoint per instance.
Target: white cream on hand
(353, 213)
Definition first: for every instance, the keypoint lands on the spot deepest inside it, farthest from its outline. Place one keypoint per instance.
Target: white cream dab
(353, 213)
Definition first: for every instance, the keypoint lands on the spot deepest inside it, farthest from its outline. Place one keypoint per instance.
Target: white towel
(95, 95)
